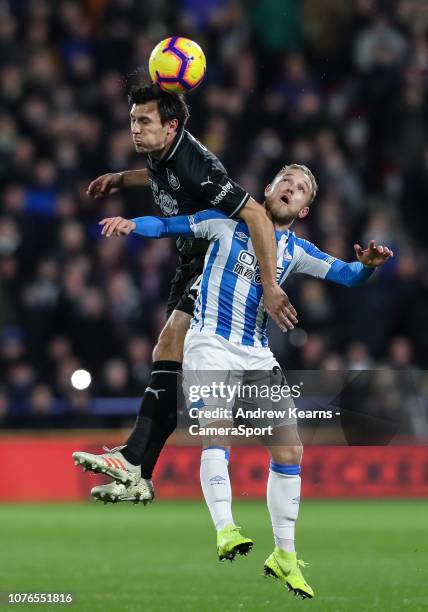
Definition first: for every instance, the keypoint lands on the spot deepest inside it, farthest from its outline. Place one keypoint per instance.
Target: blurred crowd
(339, 86)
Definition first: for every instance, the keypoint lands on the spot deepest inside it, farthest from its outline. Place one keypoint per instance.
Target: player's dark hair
(170, 105)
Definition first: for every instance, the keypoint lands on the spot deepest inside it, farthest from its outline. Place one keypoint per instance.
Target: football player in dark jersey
(185, 177)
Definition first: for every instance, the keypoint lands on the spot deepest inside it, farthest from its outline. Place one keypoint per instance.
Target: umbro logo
(207, 182)
(241, 236)
(217, 479)
(154, 391)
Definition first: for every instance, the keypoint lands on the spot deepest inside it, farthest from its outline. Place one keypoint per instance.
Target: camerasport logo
(228, 187)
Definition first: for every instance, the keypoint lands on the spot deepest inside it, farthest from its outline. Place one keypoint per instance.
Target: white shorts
(212, 360)
(211, 352)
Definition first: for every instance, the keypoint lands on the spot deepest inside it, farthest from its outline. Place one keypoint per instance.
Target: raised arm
(111, 183)
(276, 302)
(312, 261)
(211, 184)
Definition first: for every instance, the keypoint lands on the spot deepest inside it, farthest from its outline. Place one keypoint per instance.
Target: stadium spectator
(344, 93)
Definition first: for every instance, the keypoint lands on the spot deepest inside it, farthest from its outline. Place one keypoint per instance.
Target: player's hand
(117, 226)
(373, 255)
(105, 185)
(279, 308)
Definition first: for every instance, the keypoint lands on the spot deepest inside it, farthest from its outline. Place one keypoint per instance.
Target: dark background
(339, 86)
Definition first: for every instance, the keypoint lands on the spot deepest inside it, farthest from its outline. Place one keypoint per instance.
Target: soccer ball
(177, 64)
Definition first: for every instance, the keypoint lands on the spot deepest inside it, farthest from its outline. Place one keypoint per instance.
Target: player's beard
(280, 215)
(283, 219)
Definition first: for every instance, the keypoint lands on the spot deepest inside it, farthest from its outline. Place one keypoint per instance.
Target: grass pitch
(363, 555)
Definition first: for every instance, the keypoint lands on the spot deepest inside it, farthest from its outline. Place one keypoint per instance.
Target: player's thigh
(184, 285)
(209, 379)
(171, 339)
(180, 309)
(285, 446)
(209, 352)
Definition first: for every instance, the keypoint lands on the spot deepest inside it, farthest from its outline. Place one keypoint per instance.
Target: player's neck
(163, 152)
(281, 227)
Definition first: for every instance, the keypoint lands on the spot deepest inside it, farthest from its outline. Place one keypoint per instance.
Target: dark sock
(158, 438)
(158, 410)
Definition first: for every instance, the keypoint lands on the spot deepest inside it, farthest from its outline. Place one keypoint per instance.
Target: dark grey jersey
(190, 179)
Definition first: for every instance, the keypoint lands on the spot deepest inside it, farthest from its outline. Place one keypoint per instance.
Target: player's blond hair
(306, 172)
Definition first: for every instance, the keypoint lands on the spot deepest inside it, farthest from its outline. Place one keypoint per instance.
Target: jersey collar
(279, 234)
(174, 146)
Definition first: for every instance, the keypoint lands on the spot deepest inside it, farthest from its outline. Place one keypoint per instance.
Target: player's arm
(316, 263)
(276, 302)
(211, 183)
(148, 227)
(209, 224)
(111, 183)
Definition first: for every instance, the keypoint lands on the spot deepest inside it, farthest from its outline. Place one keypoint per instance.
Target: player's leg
(283, 500)
(214, 476)
(157, 418)
(217, 490)
(158, 411)
(206, 364)
(284, 485)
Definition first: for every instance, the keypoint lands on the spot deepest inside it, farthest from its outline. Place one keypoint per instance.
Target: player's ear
(268, 189)
(173, 125)
(304, 212)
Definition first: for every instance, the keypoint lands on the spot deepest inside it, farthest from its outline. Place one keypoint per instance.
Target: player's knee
(219, 444)
(287, 455)
(214, 439)
(171, 339)
(166, 349)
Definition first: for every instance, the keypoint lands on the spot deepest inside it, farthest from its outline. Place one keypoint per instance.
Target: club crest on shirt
(172, 179)
(167, 204)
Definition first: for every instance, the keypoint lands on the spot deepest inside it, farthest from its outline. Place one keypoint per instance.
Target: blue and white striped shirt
(230, 295)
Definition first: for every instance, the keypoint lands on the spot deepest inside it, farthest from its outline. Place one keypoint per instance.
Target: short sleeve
(210, 224)
(310, 260)
(213, 186)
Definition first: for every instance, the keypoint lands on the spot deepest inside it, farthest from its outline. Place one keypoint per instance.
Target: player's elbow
(253, 213)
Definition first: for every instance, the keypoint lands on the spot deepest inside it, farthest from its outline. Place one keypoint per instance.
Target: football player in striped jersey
(228, 332)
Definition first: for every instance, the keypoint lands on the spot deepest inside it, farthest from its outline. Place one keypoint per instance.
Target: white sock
(283, 500)
(216, 487)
